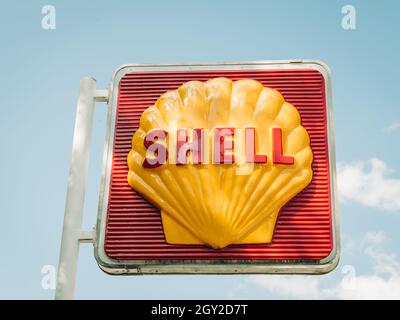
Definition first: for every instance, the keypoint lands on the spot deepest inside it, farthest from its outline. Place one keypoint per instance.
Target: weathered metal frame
(213, 266)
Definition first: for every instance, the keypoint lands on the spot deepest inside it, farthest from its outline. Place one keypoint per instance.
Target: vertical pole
(69, 252)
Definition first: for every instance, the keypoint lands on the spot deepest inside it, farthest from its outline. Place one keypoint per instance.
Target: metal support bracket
(101, 95)
(87, 236)
(72, 235)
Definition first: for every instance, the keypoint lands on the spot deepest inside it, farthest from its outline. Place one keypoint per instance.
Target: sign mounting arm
(72, 234)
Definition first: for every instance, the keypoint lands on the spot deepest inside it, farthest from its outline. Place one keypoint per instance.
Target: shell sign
(220, 168)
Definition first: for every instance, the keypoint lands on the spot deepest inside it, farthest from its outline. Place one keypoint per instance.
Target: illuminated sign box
(134, 237)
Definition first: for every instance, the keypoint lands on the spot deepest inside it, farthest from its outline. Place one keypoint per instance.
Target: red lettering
(277, 149)
(223, 147)
(157, 153)
(222, 144)
(183, 147)
(250, 142)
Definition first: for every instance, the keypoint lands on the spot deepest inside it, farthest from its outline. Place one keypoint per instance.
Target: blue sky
(41, 72)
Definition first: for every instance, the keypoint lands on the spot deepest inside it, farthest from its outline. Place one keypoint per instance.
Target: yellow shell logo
(220, 159)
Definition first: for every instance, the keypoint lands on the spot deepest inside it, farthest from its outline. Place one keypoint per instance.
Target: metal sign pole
(72, 234)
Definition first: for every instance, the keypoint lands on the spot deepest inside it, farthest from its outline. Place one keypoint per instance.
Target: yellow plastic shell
(217, 204)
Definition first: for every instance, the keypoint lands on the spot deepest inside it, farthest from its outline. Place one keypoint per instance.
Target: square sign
(219, 168)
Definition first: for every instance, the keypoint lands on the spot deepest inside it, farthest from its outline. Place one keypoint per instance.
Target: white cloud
(375, 237)
(367, 183)
(392, 127)
(304, 287)
(371, 287)
(383, 283)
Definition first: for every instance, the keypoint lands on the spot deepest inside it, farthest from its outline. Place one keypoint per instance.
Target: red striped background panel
(304, 228)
